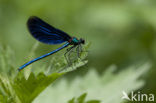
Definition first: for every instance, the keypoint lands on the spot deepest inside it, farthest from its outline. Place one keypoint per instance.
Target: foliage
(25, 86)
(81, 99)
(107, 88)
(122, 32)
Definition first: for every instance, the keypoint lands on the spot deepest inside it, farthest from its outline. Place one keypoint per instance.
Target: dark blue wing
(45, 33)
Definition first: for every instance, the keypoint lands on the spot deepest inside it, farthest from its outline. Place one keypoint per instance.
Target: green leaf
(7, 94)
(59, 64)
(93, 101)
(25, 86)
(107, 88)
(27, 90)
(72, 100)
(81, 99)
(7, 61)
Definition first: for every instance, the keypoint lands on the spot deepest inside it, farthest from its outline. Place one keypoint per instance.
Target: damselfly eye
(82, 41)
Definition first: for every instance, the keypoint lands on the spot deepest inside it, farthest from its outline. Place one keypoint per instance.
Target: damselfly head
(75, 41)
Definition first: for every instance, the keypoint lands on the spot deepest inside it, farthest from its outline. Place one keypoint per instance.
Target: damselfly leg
(74, 49)
(66, 55)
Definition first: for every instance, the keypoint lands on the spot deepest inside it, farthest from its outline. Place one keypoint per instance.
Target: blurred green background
(121, 32)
